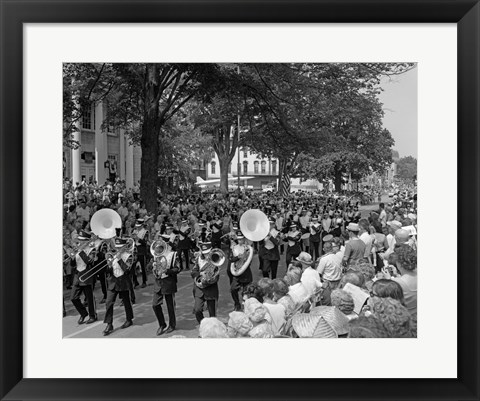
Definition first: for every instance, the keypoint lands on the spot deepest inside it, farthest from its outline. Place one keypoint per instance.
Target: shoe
(136, 285)
(82, 319)
(103, 301)
(91, 320)
(143, 285)
(128, 323)
(169, 329)
(108, 329)
(161, 330)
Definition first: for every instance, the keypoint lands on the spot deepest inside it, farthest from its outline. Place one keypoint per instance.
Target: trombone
(103, 224)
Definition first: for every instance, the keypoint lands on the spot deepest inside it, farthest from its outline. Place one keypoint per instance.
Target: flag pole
(238, 142)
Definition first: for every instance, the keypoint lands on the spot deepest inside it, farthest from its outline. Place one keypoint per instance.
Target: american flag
(285, 184)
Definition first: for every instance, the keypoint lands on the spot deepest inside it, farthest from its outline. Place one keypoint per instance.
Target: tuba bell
(161, 257)
(254, 225)
(216, 257)
(210, 270)
(104, 223)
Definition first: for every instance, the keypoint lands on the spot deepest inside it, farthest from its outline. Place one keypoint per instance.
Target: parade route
(145, 324)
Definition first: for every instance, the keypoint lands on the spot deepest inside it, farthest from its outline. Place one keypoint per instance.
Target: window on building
(87, 117)
(255, 167)
(245, 167)
(274, 167)
(213, 167)
(245, 153)
(264, 163)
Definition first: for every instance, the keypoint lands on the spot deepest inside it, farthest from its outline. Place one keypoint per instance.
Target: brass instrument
(125, 253)
(245, 254)
(210, 268)
(254, 225)
(161, 257)
(103, 224)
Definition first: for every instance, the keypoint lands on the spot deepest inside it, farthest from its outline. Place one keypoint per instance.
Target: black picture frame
(464, 13)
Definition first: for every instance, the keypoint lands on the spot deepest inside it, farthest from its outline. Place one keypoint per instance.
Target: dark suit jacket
(118, 283)
(89, 264)
(210, 292)
(270, 254)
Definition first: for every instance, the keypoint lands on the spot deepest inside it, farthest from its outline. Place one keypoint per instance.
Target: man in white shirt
(365, 236)
(330, 266)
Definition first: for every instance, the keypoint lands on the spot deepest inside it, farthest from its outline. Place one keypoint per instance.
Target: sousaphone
(254, 225)
(104, 223)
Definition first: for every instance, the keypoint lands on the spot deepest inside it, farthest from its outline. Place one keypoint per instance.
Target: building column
(129, 166)
(100, 146)
(121, 160)
(76, 156)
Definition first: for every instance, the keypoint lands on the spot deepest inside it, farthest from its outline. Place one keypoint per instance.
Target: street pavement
(144, 323)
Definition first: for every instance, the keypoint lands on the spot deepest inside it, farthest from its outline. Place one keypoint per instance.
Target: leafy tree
(407, 168)
(329, 113)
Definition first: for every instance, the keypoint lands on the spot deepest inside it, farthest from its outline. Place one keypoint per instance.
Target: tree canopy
(319, 120)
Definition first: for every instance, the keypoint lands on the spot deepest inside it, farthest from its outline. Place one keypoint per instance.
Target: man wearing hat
(240, 257)
(118, 277)
(310, 277)
(81, 262)
(355, 248)
(209, 293)
(140, 235)
(216, 226)
(293, 238)
(270, 252)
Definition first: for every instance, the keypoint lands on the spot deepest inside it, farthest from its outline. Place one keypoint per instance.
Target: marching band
(106, 255)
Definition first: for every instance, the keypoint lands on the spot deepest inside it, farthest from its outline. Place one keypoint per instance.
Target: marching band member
(239, 267)
(315, 232)
(184, 244)
(270, 251)
(165, 285)
(204, 291)
(82, 262)
(140, 234)
(293, 238)
(118, 272)
(216, 226)
(100, 257)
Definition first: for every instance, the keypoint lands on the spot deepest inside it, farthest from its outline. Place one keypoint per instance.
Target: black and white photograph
(240, 200)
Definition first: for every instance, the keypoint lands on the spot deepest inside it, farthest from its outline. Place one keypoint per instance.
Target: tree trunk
(150, 141)
(338, 180)
(223, 161)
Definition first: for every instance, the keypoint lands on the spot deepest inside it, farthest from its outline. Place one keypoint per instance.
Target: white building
(265, 170)
(101, 154)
